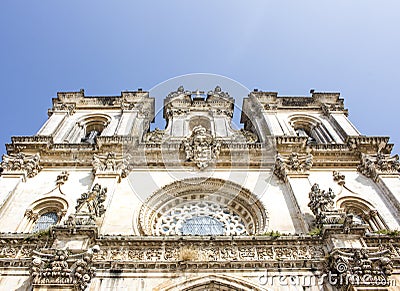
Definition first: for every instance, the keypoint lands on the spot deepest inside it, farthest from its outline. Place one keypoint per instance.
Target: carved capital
(359, 267)
(374, 165)
(17, 163)
(62, 268)
(110, 164)
(292, 164)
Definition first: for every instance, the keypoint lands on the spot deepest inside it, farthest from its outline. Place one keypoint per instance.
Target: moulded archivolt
(237, 209)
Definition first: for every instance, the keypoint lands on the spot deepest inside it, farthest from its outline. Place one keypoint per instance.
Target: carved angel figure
(92, 201)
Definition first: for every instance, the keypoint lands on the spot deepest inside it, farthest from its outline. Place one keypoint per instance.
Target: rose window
(200, 218)
(202, 206)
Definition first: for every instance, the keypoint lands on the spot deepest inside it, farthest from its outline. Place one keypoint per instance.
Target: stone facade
(297, 199)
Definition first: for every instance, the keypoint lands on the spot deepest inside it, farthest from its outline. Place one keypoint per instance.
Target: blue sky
(290, 47)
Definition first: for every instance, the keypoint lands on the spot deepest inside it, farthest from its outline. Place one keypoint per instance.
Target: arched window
(197, 206)
(87, 128)
(362, 212)
(44, 213)
(93, 129)
(311, 127)
(45, 221)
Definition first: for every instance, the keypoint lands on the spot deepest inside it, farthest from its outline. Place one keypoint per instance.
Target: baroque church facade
(298, 199)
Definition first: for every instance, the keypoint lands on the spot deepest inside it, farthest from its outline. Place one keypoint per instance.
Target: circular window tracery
(199, 206)
(200, 218)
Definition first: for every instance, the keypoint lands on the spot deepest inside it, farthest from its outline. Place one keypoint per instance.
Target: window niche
(92, 130)
(312, 128)
(43, 213)
(88, 128)
(363, 213)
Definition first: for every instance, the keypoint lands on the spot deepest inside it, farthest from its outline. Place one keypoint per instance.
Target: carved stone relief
(374, 165)
(90, 205)
(295, 163)
(321, 205)
(155, 136)
(110, 164)
(201, 147)
(62, 268)
(21, 162)
(359, 267)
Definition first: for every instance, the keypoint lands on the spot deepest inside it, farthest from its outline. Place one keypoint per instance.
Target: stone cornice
(70, 102)
(321, 101)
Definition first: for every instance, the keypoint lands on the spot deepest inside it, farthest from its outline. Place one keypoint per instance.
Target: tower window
(45, 221)
(92, 130)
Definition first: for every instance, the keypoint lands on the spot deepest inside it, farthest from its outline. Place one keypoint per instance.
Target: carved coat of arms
(201, 147)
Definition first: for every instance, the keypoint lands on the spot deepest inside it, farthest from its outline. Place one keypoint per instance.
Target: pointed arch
(211, 282)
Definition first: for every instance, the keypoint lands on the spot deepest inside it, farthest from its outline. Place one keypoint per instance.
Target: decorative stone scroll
(110, 164)
(217, 92)
(91, 202)
(374, 165)
(293, 164)
(20, 162)
(63, 269)
(339, 178)
(62, 178)
(155, 136)
(180, 91)
(321, 205)
(358, 267)
(201, 147)
(246, 136)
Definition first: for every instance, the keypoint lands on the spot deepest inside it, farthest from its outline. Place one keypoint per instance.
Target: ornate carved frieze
(74, 221)
(91, 202)
(68, 107)
(201, 147)
(359, 267)
(293, 164)
(210, 251)
(374, 165)
(20, 162)
(110, 164)
(63, 269)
